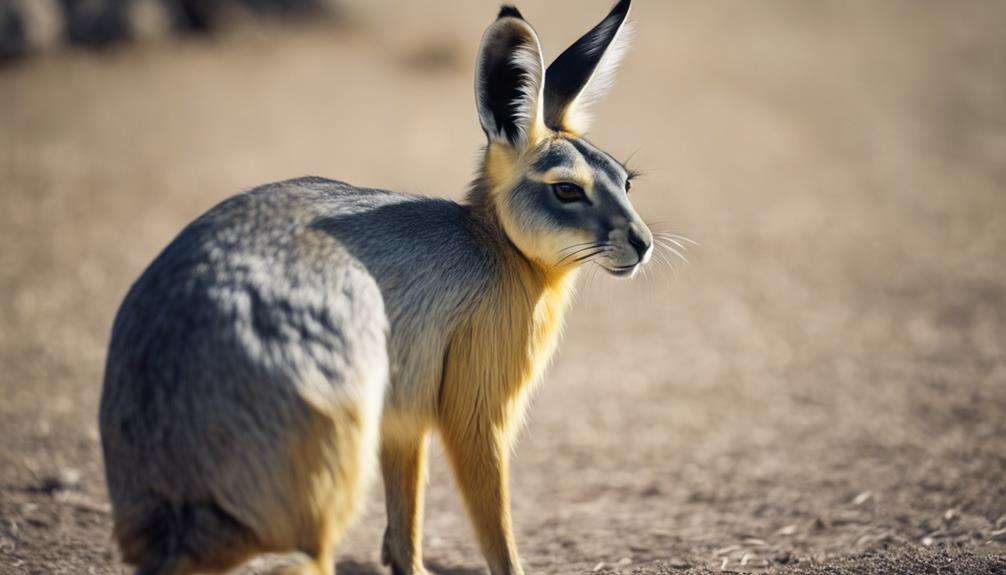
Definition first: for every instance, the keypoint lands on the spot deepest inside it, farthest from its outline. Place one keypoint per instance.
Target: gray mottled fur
(274, 304)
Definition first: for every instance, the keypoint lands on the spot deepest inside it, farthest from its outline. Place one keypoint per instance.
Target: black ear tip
(622, 7)
(511, 11)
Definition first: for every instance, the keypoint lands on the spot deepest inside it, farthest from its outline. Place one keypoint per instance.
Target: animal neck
(516, 324)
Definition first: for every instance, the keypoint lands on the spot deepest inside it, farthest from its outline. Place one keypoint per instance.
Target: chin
(622, 272)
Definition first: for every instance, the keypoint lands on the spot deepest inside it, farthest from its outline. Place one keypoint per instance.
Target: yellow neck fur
(502, 348)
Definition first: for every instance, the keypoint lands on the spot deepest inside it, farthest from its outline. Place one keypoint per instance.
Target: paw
(399, 565)
(386, 549)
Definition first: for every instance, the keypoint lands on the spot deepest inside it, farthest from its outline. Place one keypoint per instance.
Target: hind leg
(334, 460)
(300, 498)
(403, 464)
(162, 538)
(214, 543)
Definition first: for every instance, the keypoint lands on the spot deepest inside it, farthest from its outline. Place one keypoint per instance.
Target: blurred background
(822, 389)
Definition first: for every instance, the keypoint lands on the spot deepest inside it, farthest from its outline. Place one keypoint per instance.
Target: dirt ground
(822, 390)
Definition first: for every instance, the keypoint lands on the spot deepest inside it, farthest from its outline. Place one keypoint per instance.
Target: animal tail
(175, 539)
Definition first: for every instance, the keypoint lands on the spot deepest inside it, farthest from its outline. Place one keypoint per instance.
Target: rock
(787, 530)
(66, 479)
(651, 491)
(784, 558)
(726, 550)
(862, 498)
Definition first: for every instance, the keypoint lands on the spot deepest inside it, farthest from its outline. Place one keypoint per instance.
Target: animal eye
(568, 193)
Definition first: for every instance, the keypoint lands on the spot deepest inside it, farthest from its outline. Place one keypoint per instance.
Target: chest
(497, 354)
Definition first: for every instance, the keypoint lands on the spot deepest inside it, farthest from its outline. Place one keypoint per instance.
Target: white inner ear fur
(529, 94)
(577, 116)
(529, 103)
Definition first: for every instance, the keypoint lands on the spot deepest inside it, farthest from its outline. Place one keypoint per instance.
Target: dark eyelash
(631, 172)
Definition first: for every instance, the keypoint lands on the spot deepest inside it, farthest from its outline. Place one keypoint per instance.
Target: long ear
(585, 71)
(509, 74)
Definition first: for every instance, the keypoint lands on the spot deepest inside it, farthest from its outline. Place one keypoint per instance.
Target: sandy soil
(822, 390)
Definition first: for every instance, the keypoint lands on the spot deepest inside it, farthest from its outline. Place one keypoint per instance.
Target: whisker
(592, 254)
(661, 254)
(686, 239)
(672, 240)
(662, 258)
(590, 246)
(658, 252)
(576, 246)
(675, 252)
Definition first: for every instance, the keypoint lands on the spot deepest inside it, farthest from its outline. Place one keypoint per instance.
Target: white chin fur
(625, 272)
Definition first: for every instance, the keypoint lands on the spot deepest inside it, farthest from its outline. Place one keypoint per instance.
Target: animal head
(560, 200)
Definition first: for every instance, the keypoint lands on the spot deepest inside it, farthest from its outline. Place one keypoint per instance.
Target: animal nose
(641, 245)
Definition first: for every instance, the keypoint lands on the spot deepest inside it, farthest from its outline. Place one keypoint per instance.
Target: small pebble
(787, 530)
(862, 498)
(784, 558)
(651, 491)
(65, 480)
(725, 550)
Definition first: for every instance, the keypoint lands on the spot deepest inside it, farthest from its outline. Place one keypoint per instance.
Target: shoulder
(372, 219)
